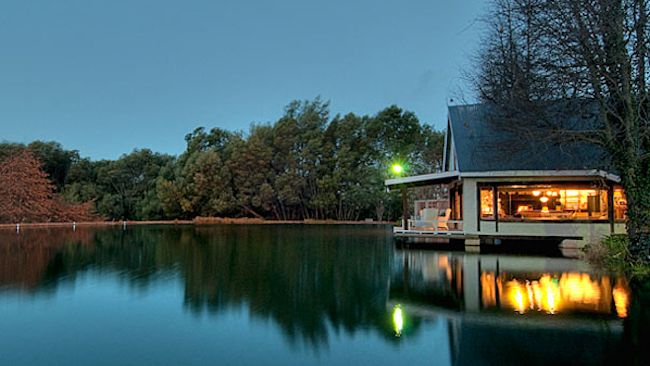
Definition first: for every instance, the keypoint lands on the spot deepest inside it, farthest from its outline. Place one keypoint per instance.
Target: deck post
(495, 207)
(610, 206)
(405, 208)
(472, 244)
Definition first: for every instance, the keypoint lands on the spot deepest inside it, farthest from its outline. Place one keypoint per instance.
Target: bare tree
(592, 53)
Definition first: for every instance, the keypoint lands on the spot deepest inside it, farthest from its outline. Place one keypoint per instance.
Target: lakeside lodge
(496, 186)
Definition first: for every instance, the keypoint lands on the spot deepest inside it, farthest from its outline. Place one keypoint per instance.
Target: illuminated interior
(551, 202)
(620, 204)
(487, 203)
(555, 293)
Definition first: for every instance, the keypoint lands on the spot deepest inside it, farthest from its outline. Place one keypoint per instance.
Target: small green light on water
(398, 320)
(397, 169)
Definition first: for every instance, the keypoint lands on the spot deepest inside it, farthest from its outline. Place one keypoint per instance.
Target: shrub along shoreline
(199, 221)
(612, 254)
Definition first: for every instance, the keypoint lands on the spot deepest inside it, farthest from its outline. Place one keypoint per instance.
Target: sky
(106, 77)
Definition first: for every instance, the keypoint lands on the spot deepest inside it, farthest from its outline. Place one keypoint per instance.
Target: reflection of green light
(398, 320)
(397, 169)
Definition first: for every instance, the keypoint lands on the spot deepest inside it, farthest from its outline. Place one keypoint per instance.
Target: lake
(301, 295)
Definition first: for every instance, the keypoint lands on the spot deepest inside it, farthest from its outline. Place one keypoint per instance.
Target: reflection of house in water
(503, 308)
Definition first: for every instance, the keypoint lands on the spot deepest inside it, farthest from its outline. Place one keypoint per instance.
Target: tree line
(306, 165)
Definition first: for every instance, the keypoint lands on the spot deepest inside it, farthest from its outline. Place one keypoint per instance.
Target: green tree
(252, 172)
(205, 185)
(126, 183)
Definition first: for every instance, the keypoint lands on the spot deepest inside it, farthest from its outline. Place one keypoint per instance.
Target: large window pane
(487, 203)
(552, 202)
(620, 204)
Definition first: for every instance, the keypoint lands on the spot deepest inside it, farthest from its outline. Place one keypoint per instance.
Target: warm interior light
(397, 169)
(536, 193)
(543, 199)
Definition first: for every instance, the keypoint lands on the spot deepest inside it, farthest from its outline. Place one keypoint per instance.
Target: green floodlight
(398, 169)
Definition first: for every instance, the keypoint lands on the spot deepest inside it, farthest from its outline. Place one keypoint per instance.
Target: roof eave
(543, 173)
(446, 177)
(424, 179)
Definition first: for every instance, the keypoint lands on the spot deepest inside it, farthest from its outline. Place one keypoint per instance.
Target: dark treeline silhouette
(305, 165)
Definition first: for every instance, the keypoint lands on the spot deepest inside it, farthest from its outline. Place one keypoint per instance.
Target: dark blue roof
(485, 143)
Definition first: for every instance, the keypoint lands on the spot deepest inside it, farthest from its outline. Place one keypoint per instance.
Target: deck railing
(435, 226)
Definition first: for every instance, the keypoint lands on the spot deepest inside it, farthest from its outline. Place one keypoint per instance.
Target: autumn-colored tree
(28, 195)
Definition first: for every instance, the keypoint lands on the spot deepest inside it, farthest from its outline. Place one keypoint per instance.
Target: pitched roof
(484, 144)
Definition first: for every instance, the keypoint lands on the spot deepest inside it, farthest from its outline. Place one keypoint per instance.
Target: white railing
(436, 226)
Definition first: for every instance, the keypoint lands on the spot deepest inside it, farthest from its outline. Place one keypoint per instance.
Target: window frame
(496, 189)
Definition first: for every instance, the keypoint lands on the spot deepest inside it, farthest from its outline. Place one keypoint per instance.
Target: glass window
(487, 203)
(620, 204)
(552, 202)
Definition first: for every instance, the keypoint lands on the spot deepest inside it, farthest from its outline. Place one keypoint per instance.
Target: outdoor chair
(442, 220)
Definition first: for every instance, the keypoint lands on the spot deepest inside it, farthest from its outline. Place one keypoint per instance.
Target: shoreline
(199, 221)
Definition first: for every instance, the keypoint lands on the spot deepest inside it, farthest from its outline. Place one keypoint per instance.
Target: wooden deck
(472, 239)
(423, 233)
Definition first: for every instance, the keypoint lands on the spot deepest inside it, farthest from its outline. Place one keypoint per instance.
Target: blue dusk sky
(105, 77)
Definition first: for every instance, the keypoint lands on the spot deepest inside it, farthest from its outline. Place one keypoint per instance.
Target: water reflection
(307, 281)
(504, 309)
(398, 320)
(315, 284)
(507, 284)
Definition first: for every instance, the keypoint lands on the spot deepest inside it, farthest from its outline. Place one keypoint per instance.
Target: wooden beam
(495, 208)
(478, 207)
(405, 207)
(610, 206)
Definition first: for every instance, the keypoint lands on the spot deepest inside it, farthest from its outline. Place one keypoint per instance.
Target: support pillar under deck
(473, 244)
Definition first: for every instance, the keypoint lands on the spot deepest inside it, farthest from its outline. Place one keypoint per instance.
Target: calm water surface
(298, 295)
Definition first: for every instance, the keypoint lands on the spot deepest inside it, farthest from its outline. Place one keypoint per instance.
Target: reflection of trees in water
(26, 259)
(306, 279)
(428, 278)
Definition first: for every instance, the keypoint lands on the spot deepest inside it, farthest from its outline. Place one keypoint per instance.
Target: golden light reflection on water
(621, 298)
(488, 293)
(555, 293)
(444, 264)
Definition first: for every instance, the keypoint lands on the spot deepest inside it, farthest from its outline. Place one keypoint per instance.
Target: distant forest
(305, 165)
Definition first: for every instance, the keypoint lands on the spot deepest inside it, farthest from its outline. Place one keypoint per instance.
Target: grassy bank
(612, 254)
(196, 221)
